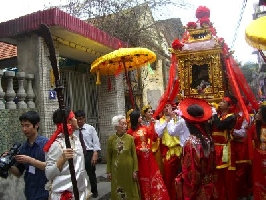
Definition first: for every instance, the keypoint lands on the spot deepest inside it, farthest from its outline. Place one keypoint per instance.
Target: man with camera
(31, 158)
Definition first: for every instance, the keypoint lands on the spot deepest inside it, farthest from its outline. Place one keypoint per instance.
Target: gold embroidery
(263, 139)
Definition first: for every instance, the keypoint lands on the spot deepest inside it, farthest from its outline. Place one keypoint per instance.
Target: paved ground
(104, 186)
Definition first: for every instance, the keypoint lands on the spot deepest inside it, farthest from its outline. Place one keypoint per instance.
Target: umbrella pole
(129, 85)
(262, 55)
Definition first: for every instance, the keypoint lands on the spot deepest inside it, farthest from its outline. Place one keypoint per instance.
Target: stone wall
(10, 131)
(12, 188)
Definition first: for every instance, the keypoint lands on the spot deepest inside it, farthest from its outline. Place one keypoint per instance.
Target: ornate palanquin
(199, 67)
(193, 67)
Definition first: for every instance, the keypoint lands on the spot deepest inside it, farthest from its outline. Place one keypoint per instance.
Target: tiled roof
(56, 17)
(7, 51)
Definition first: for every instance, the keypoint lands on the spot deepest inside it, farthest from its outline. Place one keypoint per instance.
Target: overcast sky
(224, 14)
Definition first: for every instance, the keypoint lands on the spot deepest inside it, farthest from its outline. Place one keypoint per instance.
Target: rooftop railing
(16, 90)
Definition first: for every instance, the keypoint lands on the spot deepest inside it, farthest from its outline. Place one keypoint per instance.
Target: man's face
(223, 105)
(81, 121)
(28, 129)
(167, 109)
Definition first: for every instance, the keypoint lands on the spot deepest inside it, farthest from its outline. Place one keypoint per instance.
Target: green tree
(248, 69)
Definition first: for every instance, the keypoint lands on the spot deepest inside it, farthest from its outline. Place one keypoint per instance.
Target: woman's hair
(262, 121)
(80, 113)
(134, 119)
(145, 109)
(58, 117)
(263, 113)
(116, 119)
(233, 99)
(195, 110)
(197, 129)
(194, 130)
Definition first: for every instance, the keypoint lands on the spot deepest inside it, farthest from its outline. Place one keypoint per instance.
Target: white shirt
(242, 132)
(159, 128)
(61, 181)
(180, 129)
(90, 137)
(174, 129)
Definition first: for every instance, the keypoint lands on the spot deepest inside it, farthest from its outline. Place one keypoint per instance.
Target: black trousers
(90, 169)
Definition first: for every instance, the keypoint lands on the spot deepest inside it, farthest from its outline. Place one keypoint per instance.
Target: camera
(6, 161)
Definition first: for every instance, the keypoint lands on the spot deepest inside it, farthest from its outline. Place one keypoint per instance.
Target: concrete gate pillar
(111, 103)
(33, 57)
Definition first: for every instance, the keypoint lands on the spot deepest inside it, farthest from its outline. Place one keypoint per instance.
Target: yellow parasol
(123, 59)
(132, 58)
(256, 33)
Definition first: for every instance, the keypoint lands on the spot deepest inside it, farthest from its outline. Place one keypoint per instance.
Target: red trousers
(226, 184)
(243, 179)
(171, 170)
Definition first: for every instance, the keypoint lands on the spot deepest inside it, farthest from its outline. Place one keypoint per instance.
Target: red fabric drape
(174, 91)
(169, 89)
(233, 82)
(243, 85)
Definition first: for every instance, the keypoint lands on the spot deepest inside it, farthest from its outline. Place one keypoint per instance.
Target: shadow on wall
(12, 188)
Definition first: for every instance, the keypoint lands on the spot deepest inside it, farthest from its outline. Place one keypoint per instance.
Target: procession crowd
(193, 149)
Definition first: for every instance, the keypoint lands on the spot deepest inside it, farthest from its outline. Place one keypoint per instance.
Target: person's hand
(172, 114)
(214, 111)
(236, 136)
(67, 154)
(167, 118)
(109, 176)
(135, 175)
(23, 159)
(94, 158)
(5, 153)
(153, 120)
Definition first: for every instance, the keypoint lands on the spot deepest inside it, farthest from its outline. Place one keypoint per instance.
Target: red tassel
(119, 45)
(119, 70)
(109, 84)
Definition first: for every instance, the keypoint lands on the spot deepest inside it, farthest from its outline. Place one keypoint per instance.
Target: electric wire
(244, 4)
